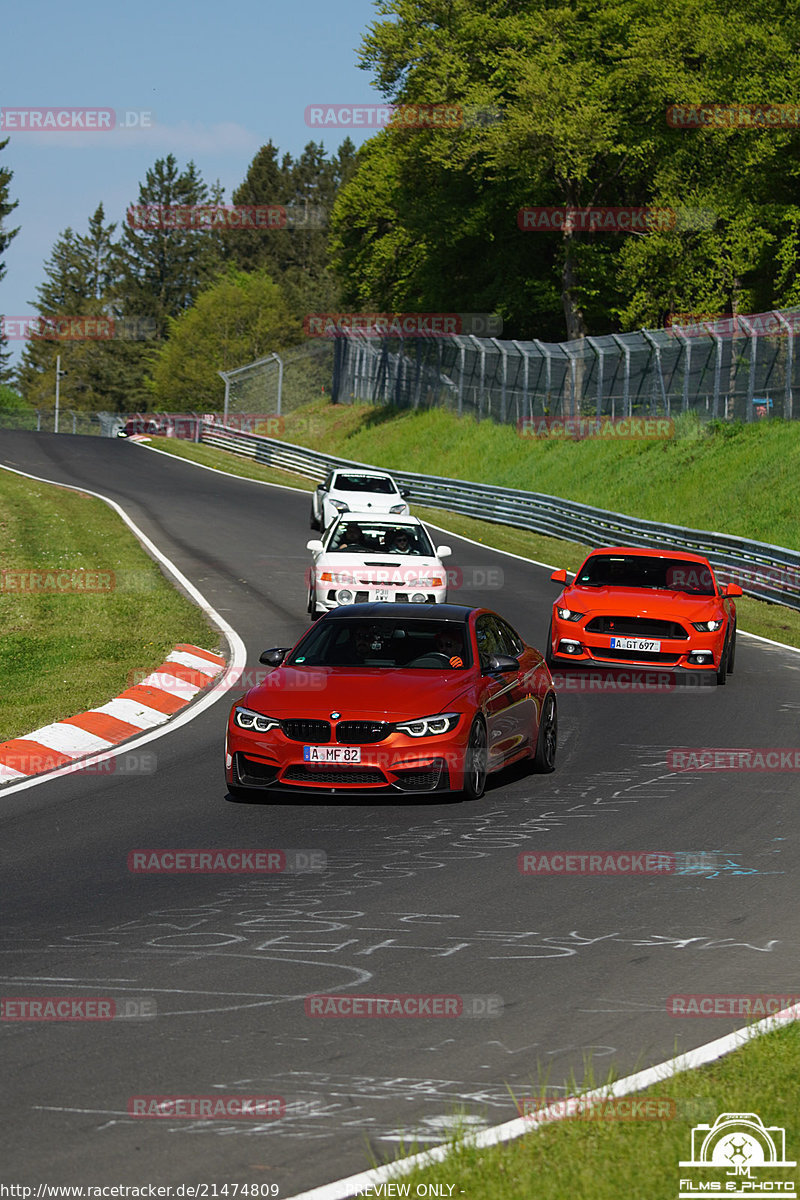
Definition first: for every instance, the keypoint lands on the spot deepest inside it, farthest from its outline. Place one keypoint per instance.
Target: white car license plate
(380, 594)
(641, 644)
(332, 754)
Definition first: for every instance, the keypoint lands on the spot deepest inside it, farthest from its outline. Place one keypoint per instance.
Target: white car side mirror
(443, 551)
(315, 546)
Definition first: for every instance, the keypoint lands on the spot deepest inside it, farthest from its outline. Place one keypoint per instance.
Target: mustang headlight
(567, 614)
(429, 726)
(245, 718)
(707, 626)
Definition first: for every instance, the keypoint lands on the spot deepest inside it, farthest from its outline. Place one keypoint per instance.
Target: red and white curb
(183, 674)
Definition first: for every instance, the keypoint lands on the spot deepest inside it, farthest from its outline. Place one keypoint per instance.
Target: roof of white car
(362, 471)
(372, 515)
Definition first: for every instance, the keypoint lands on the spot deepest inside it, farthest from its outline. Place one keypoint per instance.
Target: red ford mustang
(630, 606)
(390, 703)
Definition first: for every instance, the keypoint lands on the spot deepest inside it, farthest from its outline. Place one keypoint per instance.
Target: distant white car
(363, 557)
(355, 490)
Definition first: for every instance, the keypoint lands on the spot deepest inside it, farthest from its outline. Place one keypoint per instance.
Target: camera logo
(733, 1147)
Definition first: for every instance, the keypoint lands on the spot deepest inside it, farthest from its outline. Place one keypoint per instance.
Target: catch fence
(730, 368)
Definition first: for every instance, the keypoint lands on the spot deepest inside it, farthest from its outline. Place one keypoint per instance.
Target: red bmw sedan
(391, 703)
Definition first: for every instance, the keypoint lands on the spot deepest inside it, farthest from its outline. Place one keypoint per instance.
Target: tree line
(168, 302)
(594, 104)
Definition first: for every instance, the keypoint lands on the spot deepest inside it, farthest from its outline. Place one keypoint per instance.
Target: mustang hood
(369, 692)
(637, 602)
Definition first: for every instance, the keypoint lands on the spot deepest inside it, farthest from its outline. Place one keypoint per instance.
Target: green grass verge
(231, 464)
(731, 478)
(766, 620)
(64, 652)
(607, 1159)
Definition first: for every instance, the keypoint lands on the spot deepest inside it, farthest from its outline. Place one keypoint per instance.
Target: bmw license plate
(380, 594)
(642, 645)
(332, 754)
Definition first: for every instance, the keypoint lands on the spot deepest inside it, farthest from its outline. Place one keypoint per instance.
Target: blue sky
(220, 80)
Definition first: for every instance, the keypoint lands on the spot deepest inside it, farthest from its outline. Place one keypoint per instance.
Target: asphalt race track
(417, 897)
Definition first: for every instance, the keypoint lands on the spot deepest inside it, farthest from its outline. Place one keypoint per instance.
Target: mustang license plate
(332, 754)
(644, 645)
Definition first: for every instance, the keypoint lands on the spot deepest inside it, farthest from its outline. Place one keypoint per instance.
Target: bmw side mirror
(274, 657)
(501, 663)
(443, 551)
(314, 545)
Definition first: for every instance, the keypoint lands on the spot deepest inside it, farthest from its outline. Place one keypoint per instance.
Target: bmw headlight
(429, 726)
(245, 718)
(339, 505)
(707, 626)
(399, 508)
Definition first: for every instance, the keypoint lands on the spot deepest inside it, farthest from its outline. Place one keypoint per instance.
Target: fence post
(545, 353)
(751, 383)
(626, 387)
(787, 398)
(599, 355)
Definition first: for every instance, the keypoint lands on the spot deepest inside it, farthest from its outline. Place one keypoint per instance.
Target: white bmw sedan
(363, 557)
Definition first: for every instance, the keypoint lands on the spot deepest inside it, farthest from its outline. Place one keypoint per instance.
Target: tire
(313, 523)
(732, 654)
(312, 607)
(548, 647)
(475, 762)
(722, 669)
(544, 756)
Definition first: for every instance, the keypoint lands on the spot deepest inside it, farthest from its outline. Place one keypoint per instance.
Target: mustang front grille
(644, 627)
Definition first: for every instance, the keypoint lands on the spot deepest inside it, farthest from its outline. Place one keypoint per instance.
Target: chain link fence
(731, 368)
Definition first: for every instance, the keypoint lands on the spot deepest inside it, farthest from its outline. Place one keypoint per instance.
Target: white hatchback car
(356, 490)
(363, 557)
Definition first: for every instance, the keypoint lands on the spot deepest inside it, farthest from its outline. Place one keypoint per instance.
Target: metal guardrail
(763, 571)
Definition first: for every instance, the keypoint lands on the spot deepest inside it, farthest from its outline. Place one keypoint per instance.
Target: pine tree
(6, 208)
(81, 280)
(163, 269)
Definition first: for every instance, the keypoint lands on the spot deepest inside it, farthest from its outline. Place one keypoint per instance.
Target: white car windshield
(379, 537)
(380, 484)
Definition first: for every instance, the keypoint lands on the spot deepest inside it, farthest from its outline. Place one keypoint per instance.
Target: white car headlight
(245, 718)
(429, 726)
(339, 505)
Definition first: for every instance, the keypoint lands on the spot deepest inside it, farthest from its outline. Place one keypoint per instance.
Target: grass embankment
(113, 612)
(606, 1159)
(730, 479)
